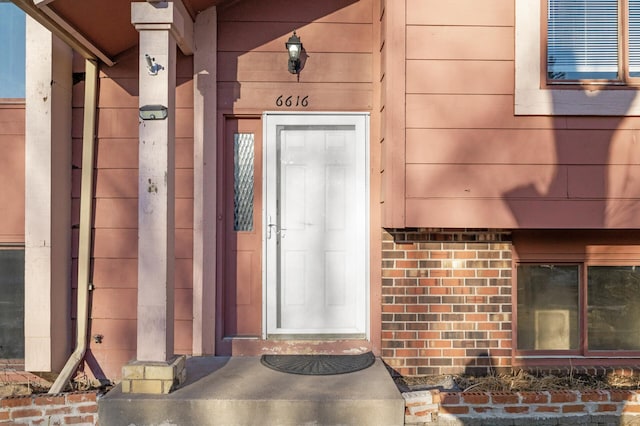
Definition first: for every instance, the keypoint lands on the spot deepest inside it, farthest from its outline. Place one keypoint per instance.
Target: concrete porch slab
(241, 391)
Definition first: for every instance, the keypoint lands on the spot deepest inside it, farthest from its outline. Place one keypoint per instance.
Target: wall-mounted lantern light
(294, 48)
(153, 112)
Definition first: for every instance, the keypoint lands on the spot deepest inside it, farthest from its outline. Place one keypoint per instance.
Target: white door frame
(270, 121)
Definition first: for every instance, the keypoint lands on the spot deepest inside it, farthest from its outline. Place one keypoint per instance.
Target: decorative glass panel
(243, 154)
(582, 39)
(613, 298)
(12, 50)
(11, 303)
(548, 307)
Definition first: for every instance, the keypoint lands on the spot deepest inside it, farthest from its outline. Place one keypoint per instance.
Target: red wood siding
(337, 68)
(12, 172)
(114, 299)
(341, 72)
(393, 110)
(470, 162)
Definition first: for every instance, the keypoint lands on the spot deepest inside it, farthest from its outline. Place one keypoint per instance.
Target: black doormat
(318, 365)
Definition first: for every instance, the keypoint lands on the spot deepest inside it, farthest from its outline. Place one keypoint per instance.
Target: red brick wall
(446, 300)
(58, 409)
(565, 407)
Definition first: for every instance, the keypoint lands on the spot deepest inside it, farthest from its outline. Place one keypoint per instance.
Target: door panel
(241, 229)
(317, 218)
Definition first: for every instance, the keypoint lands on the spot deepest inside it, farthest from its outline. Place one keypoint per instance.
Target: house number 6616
(292, 101)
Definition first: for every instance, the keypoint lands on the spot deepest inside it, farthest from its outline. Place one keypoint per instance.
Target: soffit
(107, 24)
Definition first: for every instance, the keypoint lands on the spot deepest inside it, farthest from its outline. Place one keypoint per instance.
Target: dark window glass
(548, 299)
(613, 301)
(11, 304)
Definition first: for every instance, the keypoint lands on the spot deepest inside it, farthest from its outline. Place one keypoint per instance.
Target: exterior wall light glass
(294, 48)
(153, 112)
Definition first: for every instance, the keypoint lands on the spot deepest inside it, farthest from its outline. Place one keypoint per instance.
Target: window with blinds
(589, 39)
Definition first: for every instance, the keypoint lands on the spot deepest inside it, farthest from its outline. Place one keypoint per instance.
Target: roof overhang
(97, 29)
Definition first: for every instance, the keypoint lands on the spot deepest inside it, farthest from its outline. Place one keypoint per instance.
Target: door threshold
(316, 336)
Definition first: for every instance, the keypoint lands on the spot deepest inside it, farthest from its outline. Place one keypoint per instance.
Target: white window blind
(582, 39)
(634, 38)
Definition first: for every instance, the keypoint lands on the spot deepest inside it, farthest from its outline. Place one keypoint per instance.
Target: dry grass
(519, 381)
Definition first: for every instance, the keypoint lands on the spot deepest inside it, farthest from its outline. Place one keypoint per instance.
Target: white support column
(161, 26)
(156, 201)
(48, 200)
(204, 183)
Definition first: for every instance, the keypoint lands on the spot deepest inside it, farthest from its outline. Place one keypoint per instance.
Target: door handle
(274, 226)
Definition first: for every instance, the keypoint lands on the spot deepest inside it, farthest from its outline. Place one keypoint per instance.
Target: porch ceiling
(107, 24)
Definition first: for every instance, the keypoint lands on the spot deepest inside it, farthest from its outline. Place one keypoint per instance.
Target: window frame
(583, 350)
(622, 53)
(533, 96)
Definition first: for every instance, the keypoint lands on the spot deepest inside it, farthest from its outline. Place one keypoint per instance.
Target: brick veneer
(78, 408)
(496, 408)
(446, 300)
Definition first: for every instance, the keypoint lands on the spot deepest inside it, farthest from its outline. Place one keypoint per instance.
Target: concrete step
(241, 391)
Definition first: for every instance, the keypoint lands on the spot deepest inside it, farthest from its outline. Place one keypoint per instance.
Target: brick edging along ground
(428, 406)
(77, 408)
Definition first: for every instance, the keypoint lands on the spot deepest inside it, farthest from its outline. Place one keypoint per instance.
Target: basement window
(579, 309)
(11, 303)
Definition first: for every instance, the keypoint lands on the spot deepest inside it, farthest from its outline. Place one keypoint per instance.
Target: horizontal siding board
(183, 332)
(123, 93)
(485, 181)
(12, 120)
(272, 67)
(116, 213)
(610, 181)
(531, 146)
(116, 183)
(116, 123)
(120, 333)
(184, 213)
(469, 112)
(184, 273)
(315, 37)
(118, 303)
(282, 11)
(505, 181)
(115, 273)
(460, 77)
(184, 244)
(263, 96)
(117, 153)
(596, 244)
(469, 43)
(115, 243)
(522, 213)
(123, 153)
(124, 122)
(123, 183)
(183, 303)
(12, 179)
(461, 12)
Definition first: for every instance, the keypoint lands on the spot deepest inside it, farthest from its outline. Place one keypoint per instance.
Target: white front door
(316, 224)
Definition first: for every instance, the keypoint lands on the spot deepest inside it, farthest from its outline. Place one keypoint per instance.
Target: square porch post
(161, 26)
